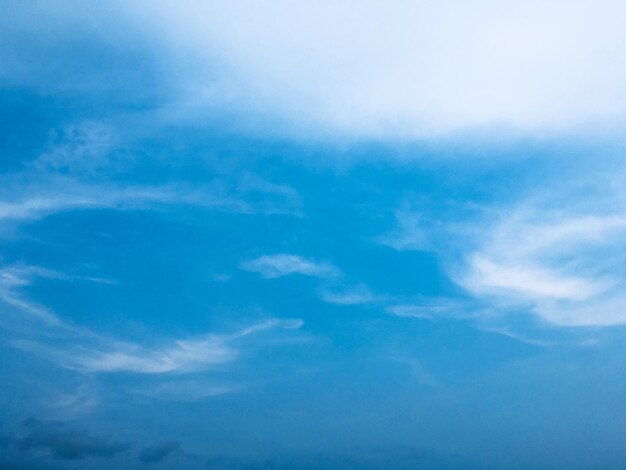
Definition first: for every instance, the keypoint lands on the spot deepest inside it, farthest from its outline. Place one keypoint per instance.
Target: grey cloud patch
(158, 452)
(66, 194)
(67, 443)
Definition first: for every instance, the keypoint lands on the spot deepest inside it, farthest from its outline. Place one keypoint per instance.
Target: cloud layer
(566, 266)
(403, 68)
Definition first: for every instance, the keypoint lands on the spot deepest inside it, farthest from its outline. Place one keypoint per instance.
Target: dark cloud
(159, 452)
(67, 443)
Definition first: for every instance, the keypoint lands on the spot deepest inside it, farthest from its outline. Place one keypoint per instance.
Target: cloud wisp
(181, 391)
(279, 265)
(430, 309)
(177, 356)
(86, 351)
(81, 169)
(556, 253)
(68, 194)
(359, 295)
(565, 266)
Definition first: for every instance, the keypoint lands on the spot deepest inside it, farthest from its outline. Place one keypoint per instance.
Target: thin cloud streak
(357, 296)
(279, 265)
(180, 356)
(86, 351)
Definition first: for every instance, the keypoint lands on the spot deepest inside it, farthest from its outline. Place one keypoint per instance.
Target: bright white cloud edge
(404, 68)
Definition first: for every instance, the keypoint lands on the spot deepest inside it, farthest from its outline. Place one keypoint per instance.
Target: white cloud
(412, 232)
(565, 266)
(187, 390)
(421, 374)
(429, 309)
(558, 253)
(401, 68)
(98, 354)
(79, 168)
(41, 198)
(278, 265)
(82, 349)
(12, 278)
(358, 296)
(516, 276)
(83, 147)
(182, 355)
(68, 194)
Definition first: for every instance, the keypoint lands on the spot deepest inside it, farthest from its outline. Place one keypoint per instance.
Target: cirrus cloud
(282, 264)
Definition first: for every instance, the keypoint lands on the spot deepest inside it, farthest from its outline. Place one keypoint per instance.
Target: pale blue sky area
(312, 235)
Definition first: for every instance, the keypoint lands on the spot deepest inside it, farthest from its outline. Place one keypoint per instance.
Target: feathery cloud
(278, 265)
(359, 295)
(565, 265)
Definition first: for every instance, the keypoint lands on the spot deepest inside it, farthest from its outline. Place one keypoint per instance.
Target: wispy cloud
(68, 194)
(67, 405)
(359, 295)
(565, 265)
(411, 232)
(81, 167)
(17, 276)
(84, 350)
(421, 374)
(278, 265)
(186, 390)
(532, 281)
(182, 355)
(430, 309)
(556, 254)
(12, 278)
(86, 147)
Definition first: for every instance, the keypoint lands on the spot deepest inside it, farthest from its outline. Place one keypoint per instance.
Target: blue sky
(312, 235)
